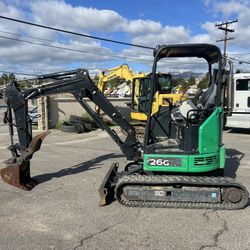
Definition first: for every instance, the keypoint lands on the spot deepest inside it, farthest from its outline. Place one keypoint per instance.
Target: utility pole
(224, 26)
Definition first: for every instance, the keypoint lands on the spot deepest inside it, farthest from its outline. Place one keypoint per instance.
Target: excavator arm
(120, 72)
(79, 84)
(123, 71)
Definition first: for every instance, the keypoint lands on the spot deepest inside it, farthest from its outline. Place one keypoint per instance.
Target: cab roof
(209, 52)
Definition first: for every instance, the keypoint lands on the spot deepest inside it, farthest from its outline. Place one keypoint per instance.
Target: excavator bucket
(106, 189)
(18, 173)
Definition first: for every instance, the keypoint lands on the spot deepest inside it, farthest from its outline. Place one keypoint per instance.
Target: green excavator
(181, 160)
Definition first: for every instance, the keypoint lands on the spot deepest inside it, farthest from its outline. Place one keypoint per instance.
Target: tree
(191, 80)
(24, 85)
(180, 81)
(203, 84)
(5, 78)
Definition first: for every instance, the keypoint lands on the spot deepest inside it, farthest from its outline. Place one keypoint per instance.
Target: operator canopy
(209, 52)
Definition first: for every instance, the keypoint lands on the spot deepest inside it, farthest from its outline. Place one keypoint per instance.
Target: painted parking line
(4, 134)
(64, 143)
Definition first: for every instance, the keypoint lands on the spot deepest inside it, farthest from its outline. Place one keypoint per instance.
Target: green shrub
(59, 124)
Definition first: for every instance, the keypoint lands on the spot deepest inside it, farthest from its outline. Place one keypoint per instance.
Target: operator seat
(206, 101)
(208, 98)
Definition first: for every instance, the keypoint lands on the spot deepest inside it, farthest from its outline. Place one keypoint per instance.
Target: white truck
(239, 116)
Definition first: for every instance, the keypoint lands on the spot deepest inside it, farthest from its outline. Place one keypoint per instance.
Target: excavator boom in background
(122, 73)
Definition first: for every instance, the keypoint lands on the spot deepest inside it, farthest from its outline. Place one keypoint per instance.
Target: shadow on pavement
(233, 158)
(76, 169)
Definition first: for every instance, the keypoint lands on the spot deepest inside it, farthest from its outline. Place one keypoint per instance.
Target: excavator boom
(79, 84)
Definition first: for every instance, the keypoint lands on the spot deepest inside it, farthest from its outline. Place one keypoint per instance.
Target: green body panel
(204, 162)
(210, 133)
(182, 168)
(222, 156)
(188, 163)
(211, 154)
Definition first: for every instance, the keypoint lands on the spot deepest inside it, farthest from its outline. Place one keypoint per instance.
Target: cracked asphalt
(62, 211)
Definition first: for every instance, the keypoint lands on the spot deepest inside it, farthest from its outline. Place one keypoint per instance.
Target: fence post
(42, 108)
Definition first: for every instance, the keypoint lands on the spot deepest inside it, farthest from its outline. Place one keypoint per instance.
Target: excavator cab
(183, 125)
(141, 88)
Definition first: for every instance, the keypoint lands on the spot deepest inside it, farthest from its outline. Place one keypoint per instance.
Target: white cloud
(138, 27)
(229, 8)
(63, 15)
(86, 20)
(167, 35)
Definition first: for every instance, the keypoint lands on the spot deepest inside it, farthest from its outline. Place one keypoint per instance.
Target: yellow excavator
(140, 86)
(122, 72)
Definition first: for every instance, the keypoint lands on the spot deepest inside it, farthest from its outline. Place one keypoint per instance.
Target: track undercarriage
(173, 191)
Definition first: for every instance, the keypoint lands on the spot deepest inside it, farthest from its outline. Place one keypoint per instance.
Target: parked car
(34, 115)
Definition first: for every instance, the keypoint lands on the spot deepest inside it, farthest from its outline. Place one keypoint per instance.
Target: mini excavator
(181, 160)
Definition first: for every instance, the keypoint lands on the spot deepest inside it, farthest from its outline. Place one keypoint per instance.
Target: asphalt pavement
(62, 211)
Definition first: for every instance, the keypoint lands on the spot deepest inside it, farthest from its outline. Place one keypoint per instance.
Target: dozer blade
(18, 173)
(106, 189)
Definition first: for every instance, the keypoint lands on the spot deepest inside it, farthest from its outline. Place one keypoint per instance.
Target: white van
(240, 117)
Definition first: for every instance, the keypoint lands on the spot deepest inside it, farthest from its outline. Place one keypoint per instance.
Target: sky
(143, 22)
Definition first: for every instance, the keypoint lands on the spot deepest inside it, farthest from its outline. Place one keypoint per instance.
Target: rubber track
(222, 182)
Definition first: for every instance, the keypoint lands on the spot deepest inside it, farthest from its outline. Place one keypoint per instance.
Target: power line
(220, 26)
(238, 60)
(49, 40)
(246, 53)
(33, 37)
(92, 53)
(75, 50)
(79, 45)
(18, 73)
(73, 33)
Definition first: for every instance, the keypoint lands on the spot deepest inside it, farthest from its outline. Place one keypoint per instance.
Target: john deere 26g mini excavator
(182, 148)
